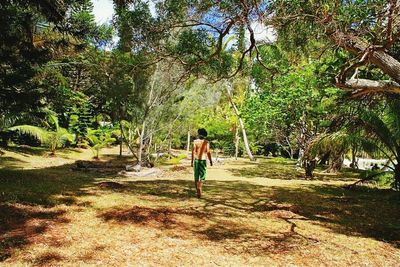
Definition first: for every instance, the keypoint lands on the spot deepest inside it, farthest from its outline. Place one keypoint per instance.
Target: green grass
(173, 160)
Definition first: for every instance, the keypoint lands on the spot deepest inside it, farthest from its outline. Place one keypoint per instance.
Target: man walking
(200, 152)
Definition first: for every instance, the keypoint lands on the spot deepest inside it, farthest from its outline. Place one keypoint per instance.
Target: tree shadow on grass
(10, 162)
(225, 205)
(18, 224)
(31, 200)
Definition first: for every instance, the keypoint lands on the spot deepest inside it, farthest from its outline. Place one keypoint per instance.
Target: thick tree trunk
(237, 140)
(237, 113)
(309, 167)
(377, 56)
(363, 86)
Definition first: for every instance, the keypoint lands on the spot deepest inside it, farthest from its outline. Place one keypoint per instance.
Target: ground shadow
(363, 212)
(32, 199)
(18, 224)
(10, 162)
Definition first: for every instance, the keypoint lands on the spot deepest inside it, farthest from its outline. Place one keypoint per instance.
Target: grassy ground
(261, 213)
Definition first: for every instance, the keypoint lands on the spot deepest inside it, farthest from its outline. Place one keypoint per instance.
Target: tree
(368, 30)
(31, 34)
(240, 120)
(382, 126)
(98, 139)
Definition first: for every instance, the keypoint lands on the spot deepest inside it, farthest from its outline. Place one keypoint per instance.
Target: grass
(172, 160)
(261, 213)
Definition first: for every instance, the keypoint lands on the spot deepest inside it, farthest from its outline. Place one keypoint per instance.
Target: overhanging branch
(360, 87)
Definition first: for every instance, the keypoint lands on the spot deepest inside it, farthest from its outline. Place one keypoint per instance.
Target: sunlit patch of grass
(173, 160)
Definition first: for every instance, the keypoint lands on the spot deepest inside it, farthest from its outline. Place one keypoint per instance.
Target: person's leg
(196, 176)
(200, 189)
(202, 175)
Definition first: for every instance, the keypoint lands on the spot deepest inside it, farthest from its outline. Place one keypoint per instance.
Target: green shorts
(200, 170)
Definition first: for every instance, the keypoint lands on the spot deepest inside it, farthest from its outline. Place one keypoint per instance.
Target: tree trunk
(354, 164)
(397, 176)
(139, 153)
(309, 167)
(237, 140)
(129, 145)
(188, 144)
(149, 147)
(237, 113)
(121, 138)
(300, 158)
(336, 163)
(145, 117)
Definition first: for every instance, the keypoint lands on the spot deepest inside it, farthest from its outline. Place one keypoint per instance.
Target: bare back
(200, 149)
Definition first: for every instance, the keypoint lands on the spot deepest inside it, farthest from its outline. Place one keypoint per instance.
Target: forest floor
(252, 214)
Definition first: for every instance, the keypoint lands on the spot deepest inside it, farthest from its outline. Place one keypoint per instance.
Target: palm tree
(98, 140)
(376, 132)
(383, 130)
(53, 139)
(337, 145)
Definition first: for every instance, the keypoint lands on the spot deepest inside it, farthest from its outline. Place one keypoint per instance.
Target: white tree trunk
(149, 145)
(139, 153)
(188, 144)
(237, 113)
(149, 101)
(237, 140)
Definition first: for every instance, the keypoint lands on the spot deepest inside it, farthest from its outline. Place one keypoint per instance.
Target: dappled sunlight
(21, 224)
(65, 217)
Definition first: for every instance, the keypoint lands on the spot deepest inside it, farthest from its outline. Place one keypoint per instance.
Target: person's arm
(191, 164)
(209, 154)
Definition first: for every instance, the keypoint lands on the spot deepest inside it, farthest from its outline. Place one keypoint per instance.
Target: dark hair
(202, 133)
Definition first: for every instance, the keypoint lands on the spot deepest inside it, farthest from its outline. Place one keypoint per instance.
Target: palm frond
(7, 120)
(51, 117)
(37, 132)
(377, 128)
